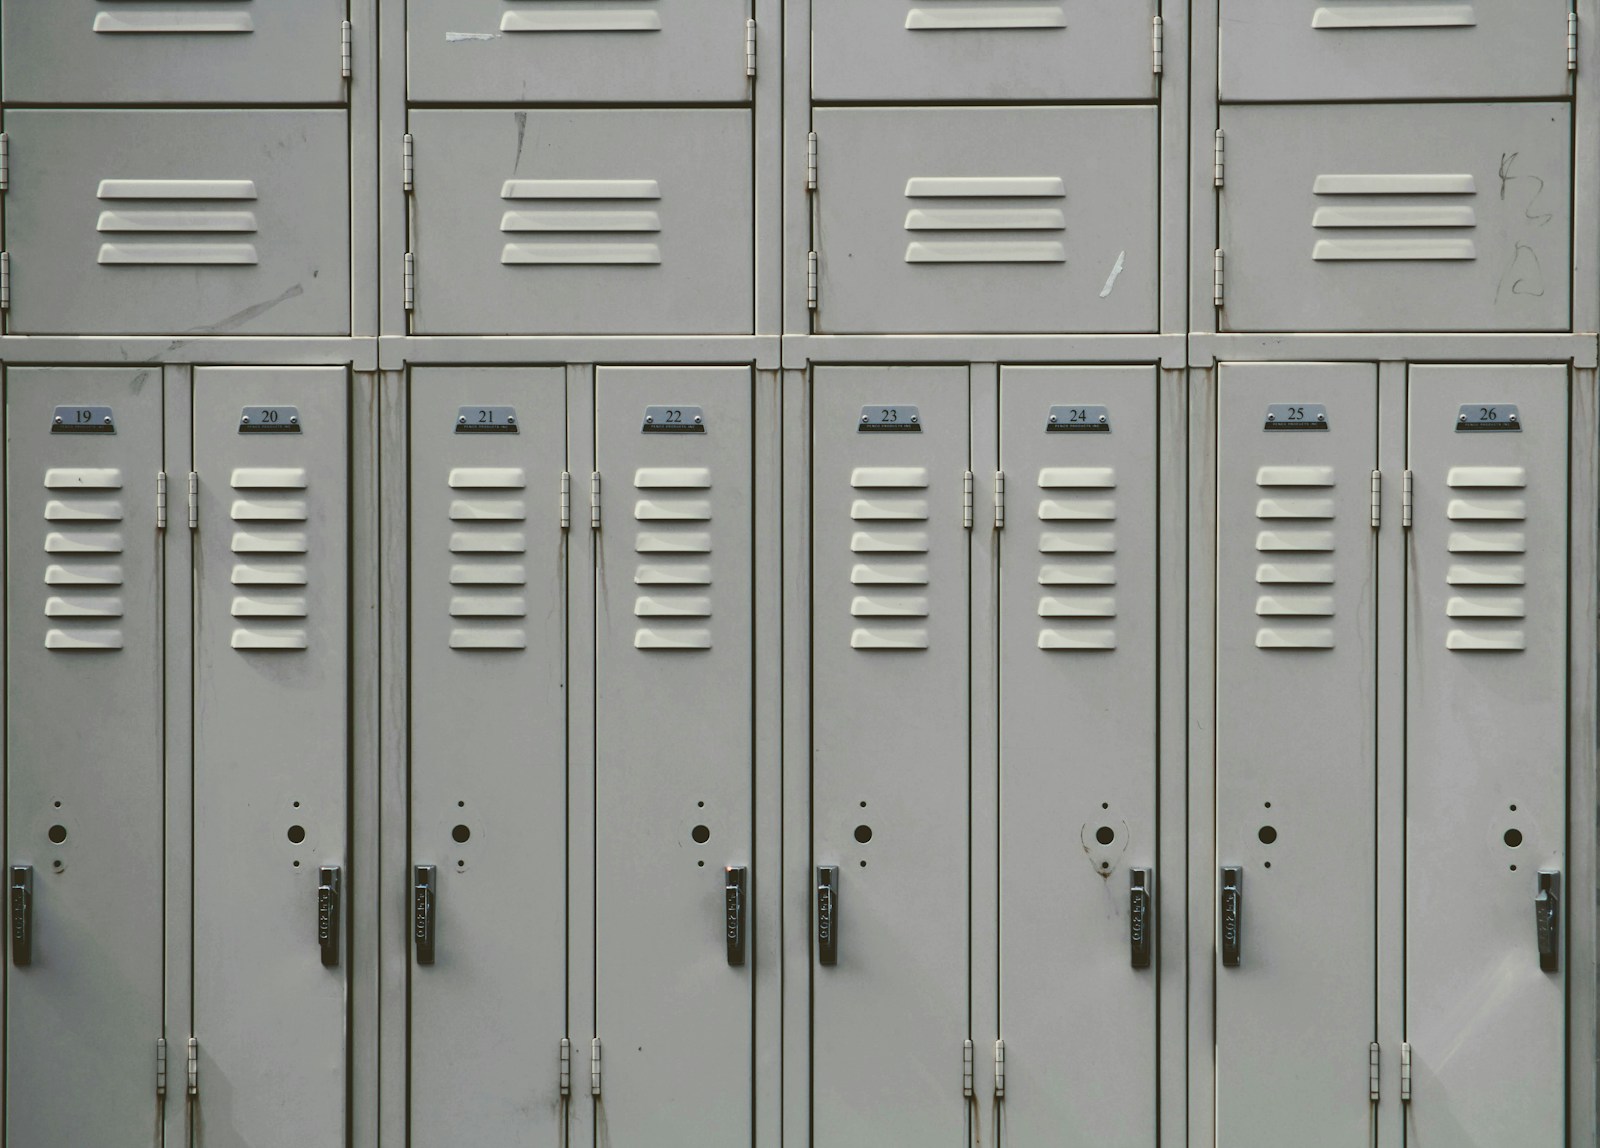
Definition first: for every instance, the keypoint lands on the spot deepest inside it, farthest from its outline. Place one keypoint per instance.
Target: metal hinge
(5, 280)
(408, 162)
(161, 505)
(966, 1068)
(345, 50)
(966, 500)
(566, 1067)
(750, 47)
(1155, 45)
(811, 160)
(811, 280)
(1216, 278)
(594, 1067)
(5, 161)
(1572, 41)
(566, 511)
(1377, 511)
(1405, 501)
(1405, 1073)
(594, 500)
(1218, 162)
(1000, 1069)
(999, 500)
(161, 1066)
(194, 501)
(194, 1067)
(409, 285)
(1372, 1071)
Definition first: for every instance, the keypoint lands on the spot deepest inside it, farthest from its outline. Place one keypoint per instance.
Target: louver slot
(969, 17)
(1076, 585)
(487, 498)
(897, 499)
(1292, 494)
(196, 222)
(591, 16)
(584, 229)
(88, 510)
(1414, 15)
(991, 207)
(175, 21)
(83, 478)
(673, 603)
(1394, 217)
(1487, 619)
(268, 478)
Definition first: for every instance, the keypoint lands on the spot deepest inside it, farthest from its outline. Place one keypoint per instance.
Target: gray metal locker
(1078, 754)
(890, 810)
(935, 51)
(1486, 742)
(488, 753)
(181, 222)
(1397, 217)
(583, 222)
(176, 51)
(1296, 777)
(986, 219)
(1399, 49)
(270, 753)
(84, 748)
(588, 51)
(674, 734)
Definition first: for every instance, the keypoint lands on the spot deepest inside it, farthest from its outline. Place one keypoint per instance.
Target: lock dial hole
(701, 834)
(297, 834)
(461, 834)
(1513, 837)
(57, 833)
(1267, 835)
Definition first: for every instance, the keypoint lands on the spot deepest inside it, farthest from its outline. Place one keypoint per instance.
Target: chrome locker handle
(1232, 914)
(328, 914)
(828, 914)
(1547, 919)
(1141, 905)
(733, 891)
(423, 886)
(21, 906)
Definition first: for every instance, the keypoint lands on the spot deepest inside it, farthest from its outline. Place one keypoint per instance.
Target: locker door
(520, 51)
(1443, 217)
(1486, 756)
(986, 219)
(1078, 754)
(583, 222)
(939, 50)
(271, 755)
(488, 753)
(184, 52)
(84, 747)
(674, 742)
(1406, 49)
(196, 222)
(890, 797)
(1296, 775)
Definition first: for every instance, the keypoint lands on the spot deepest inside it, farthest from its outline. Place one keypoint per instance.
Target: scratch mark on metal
(1116, 269)
(522, 130)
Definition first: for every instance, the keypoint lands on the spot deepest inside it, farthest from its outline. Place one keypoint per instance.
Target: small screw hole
(297, 805)
(297, 834)
(58, 805)
(863, 864)
(461, 864)
(461, 805)
(701, 834)
(1513, 837)
(1268, 864)
(1266, 805)
(1105, 864)
(702, 864)
(1513, 808)
(701, 804)
(1105, 835)
(58, 833)
(1513, 868)
(863, 805)
(1105, 805)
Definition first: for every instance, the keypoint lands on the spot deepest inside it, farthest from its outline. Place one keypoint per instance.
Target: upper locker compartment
(1397, 217)
(983, 50)
(583, 222)
(1393, 49)
(179, 51)
(178, 222)
(986, 220)
(582, 51)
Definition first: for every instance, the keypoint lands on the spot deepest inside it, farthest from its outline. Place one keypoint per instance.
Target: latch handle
(733, 887)
(21, 915)
(1547, 919)
(423, 887)
(1232, 914)
(328, 914)
(1141, 898)
(828, 914)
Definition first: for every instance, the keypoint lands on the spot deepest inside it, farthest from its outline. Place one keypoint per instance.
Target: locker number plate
(1296, 416)
(83, 420)
(1067, 420)
(673, 420)
(887, 419)
(1488, 417)
(486, 420)
(269, 420)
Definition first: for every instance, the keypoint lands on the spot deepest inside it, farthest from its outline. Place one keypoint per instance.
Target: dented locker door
(271, 754)
(936, 50)
(177, 51)
(577, 51)
(583, 222)
(1296, 775)
(1486, 779)
(191, 222)
(674, 732)
(488, 753)
(1078, 754)
(84, 748)
(1397, 217)
(890, 811)
(986, 219)
(1400, 49)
